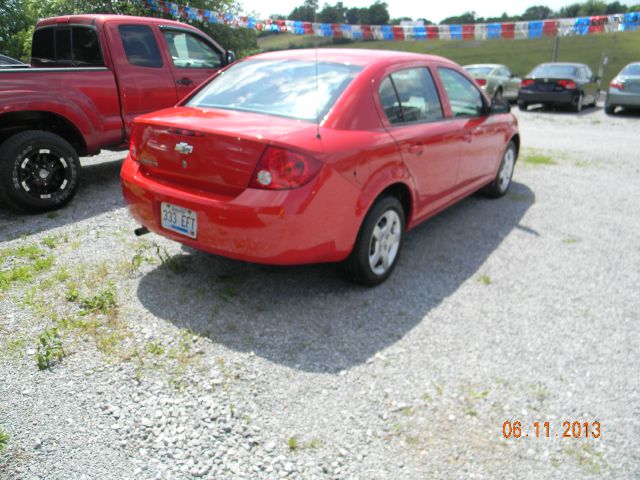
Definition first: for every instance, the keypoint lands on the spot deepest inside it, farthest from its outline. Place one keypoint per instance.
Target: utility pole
(556, 48)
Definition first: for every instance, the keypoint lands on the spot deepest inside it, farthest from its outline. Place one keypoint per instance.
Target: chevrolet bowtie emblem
(184, 148)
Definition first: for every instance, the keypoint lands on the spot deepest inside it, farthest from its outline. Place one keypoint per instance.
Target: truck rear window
(66, 46)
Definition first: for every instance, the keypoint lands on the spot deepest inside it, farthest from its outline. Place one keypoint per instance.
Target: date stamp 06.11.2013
(569, 429)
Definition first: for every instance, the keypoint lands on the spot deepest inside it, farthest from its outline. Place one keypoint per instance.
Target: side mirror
(498, 105)
(230, 57)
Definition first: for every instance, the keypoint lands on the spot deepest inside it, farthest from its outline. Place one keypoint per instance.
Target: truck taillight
(281, 169)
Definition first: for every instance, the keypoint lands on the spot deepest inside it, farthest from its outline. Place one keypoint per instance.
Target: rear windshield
(479, 70)
(288, 88)
(633, 69)
(559, 71)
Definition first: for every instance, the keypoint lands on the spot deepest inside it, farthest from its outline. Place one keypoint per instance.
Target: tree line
(378, 13)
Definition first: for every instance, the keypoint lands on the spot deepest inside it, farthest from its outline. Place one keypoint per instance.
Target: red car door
(144, 81)
(430, 147)
(481, 134)
(193, 58)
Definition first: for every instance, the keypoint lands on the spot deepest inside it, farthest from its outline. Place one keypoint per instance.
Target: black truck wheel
(39, 171)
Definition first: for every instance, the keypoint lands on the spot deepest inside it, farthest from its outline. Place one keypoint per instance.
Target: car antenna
(315, 22)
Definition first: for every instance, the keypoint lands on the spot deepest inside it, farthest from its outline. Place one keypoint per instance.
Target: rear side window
(410, 96)
(465, 99)
(188, 51)
(76, 46)
(140, 46)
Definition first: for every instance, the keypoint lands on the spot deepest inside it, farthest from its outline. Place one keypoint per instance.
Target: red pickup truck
(90, 75)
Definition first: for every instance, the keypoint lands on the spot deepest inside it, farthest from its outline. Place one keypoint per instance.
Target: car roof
(356, 56)
(564, 64)
(487, 65)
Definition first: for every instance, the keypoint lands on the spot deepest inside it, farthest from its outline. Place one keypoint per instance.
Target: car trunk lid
(210, 150)
(550, 84)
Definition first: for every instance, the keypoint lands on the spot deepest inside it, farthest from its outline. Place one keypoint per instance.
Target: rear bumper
(623, 99)
(310, 224)
(568, 97)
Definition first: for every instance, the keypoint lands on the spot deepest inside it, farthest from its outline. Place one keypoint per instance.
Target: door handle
(416, 148)
(185, 81)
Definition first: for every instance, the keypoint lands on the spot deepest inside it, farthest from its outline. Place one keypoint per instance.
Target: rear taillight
(567, 84)
(527, 82)
(133, 147)
(617, 85)
(481, 81)
(280, 169)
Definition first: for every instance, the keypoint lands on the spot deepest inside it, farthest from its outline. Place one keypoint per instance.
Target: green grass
(26, 263)
(50, 349)
(520, 55)
(485, 280)
(102, 302)
(537, 159)
(4, 440)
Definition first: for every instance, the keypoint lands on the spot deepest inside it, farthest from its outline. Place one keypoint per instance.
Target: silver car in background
(624, 90)
(495, 79)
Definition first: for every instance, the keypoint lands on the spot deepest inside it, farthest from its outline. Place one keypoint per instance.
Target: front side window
(465, 99)
(189, 51)
(410, 96)
(140, 46)
(288, 88)
(77, 46)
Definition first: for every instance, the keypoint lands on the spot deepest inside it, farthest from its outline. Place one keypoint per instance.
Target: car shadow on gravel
(310, 318)
(99, 193)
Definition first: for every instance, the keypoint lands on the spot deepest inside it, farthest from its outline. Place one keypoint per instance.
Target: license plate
(178, 219)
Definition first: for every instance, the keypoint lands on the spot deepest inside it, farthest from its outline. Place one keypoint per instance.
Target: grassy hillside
(520, 55)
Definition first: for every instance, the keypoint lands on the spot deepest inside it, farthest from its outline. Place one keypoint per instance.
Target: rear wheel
(609, 109)
(523, 105)
(377, 247)
(39, 171)
(578, 103)
(502, 181)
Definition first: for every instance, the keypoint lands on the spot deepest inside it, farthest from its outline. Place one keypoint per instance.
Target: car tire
(579, 104)
(523, 106)
(502, 181)
(39, 171)
(610, 109)
(377, 247)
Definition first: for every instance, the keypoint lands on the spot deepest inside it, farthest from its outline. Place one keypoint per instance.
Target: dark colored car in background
(560, 84)
(8, 62)
(624, 90)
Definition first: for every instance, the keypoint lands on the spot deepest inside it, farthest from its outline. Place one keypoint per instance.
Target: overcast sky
(432, 10)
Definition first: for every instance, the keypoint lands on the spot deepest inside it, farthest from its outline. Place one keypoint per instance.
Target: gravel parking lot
(164, 362)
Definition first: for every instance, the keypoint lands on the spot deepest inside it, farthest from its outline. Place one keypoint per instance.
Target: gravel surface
(165, 362)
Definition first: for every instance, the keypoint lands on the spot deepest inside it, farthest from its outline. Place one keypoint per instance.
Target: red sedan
(298, 157)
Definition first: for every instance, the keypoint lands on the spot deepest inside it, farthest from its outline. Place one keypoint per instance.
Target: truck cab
(90, 76)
